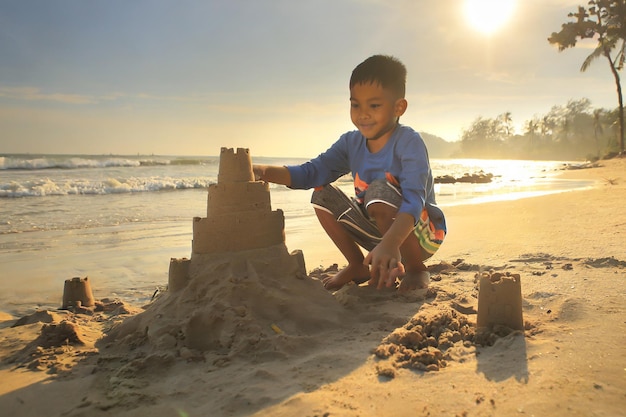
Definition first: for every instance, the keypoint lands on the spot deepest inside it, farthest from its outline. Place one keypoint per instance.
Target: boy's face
(375, 110)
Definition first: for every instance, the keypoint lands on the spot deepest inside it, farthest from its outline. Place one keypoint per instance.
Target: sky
(188, 77)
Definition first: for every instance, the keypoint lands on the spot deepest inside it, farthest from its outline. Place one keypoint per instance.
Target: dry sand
(248, 336)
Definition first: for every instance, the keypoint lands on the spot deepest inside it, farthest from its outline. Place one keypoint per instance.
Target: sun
(487, 16)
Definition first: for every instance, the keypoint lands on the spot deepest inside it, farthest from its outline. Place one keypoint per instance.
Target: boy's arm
(385, 258)
(271, 173)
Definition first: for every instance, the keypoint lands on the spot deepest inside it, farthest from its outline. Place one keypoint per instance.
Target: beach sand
(251, 337)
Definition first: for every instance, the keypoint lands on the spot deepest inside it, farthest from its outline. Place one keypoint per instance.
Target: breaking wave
(48, 187)
(34, 162)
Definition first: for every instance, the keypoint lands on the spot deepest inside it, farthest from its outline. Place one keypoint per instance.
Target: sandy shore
(249, 336)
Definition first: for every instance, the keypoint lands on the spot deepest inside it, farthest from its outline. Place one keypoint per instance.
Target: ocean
(119, 219)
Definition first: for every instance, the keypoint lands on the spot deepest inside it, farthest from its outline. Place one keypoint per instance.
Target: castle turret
(239, 213)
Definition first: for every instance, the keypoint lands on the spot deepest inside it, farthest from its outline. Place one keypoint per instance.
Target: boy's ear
(400, 106)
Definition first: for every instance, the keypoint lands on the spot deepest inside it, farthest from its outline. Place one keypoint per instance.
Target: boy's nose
(363, 114)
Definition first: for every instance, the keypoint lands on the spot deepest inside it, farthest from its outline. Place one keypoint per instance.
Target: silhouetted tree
(546, 126)
(507, 123)
(598, 128)
(530, 130)
(604, 20)
(484, 138)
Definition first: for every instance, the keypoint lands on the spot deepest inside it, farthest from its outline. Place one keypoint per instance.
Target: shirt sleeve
(322, 170)
(414, 176)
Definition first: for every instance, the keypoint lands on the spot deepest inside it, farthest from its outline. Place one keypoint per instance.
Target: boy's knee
(331, 199)
(381, 211)
(321, 193)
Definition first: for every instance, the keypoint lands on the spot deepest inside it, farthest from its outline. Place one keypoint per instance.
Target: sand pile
(422, 343)
(64, 336)
(241, 303)
(241, 293)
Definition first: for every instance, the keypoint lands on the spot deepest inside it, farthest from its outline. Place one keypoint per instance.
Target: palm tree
(565, 131)
(530, 130)
(598, 129)
(546, 126)
(507, 122)
(606, 21)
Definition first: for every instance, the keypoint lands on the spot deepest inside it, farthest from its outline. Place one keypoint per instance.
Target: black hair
(385, 70)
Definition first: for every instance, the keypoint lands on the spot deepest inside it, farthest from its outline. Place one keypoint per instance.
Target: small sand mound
(64, 333)
(609, 262)
(64, 337)
(39, 316)
(423, 342)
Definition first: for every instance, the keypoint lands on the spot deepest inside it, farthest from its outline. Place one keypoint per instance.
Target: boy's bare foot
(414, 281)
(358, 273)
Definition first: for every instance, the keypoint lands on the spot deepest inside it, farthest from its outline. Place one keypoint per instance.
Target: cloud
(35, 94)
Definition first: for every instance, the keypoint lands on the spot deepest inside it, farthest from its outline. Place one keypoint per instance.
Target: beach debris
(475, 178)
(276, 329)
(77, 293)
(584, 165)
(464, 306)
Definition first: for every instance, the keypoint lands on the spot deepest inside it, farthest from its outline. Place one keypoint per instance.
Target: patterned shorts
(353, 216)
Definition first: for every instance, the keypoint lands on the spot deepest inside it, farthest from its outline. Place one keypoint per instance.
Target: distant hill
(438, 147)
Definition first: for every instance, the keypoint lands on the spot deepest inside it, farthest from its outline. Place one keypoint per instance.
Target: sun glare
(487, 16)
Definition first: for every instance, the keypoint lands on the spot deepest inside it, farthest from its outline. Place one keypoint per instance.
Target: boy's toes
(330, 284)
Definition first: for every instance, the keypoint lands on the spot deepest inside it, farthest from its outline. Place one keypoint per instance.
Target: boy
(394, 214)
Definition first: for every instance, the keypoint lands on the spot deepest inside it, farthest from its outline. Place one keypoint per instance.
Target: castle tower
(239, 213)
(500, 301)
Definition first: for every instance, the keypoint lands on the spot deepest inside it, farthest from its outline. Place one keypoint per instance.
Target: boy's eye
(374, 106)
(354, 105)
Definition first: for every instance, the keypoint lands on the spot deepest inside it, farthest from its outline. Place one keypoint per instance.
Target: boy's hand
(271, 173)
(385, 258)
(385, 265)
(258, 171)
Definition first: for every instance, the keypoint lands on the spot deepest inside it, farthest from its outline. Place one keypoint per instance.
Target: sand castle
(77, 293)
(500, 301)
(239, 214)
(241, 288)
(239, 218)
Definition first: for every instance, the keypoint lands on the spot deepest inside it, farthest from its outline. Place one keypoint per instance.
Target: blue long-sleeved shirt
(403, 161)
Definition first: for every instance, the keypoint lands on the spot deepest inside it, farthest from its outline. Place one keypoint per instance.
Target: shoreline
(130, 260)
(547, 222)
(318, 245)
(41, 284)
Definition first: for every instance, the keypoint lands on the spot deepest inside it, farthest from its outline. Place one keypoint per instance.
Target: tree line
(575, 130)
(605, 22)
(572, 131)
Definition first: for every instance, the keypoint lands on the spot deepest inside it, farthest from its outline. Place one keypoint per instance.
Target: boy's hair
(385, 70)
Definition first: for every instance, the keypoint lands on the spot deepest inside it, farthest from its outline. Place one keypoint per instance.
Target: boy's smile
(375, 112)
